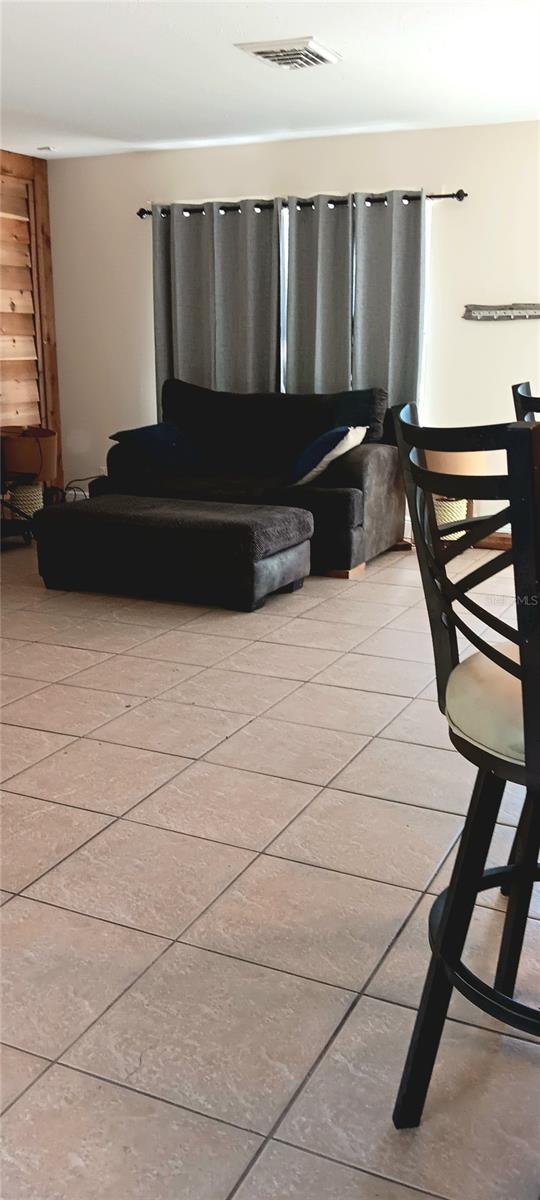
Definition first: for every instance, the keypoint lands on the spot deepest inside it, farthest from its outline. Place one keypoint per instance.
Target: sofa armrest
(374, 469)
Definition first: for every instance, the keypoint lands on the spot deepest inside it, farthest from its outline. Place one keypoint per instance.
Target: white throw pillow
(330, 447)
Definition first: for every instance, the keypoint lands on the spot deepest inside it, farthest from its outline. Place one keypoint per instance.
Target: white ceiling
(101, 77)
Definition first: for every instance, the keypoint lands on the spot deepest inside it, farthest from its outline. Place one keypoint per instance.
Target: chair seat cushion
(484, 705)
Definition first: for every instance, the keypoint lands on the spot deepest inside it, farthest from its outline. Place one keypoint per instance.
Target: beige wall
(485, 250)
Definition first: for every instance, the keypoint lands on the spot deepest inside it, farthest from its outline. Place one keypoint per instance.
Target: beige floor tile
(478, 1139)
(113, 637)
(36, 835)
(501, 584)
(323, 635)
(283, 1171)
(402, 574)
(108, 636)
(356, 611)
(98, 775)
(13, 687)
(225, 805)
(385, 593)
(62, 709)
(306, 920)
(171, 728)
(287, 662)
(158, 614)
(338, 708)
(253, 625)
(17, 1071)
(395, 643)
(199, 649)
(401, 977)
(232, 691)
(497, 857)
(48, 663)
(324, 587)
(19, 560)
(22, 748)
(395, 843)
(422, 723)
(214, 1034)
(413, 620)
(4, 897)
(92, 1140)
(430, 692)
(25, 595)
(150, 879)
(392, 676)
(411, 774)
(290, 751)
(60, 970)
(291, 605)
(33, 626)
(133, 676)
(512, 804)
(78, 605)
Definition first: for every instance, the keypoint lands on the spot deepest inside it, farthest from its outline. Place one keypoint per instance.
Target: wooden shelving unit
(28, 369)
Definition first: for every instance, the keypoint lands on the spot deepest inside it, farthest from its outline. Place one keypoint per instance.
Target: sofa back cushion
(266, 431)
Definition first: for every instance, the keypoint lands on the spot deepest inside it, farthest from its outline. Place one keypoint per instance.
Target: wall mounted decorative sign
(501, 312)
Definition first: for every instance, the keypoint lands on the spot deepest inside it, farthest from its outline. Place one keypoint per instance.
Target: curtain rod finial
(143, 212)
(461, 195)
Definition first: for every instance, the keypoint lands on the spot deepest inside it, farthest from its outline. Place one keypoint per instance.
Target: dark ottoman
(229, 554)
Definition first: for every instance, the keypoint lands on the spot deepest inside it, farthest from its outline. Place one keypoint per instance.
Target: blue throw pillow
(329, 446)
(162, 447)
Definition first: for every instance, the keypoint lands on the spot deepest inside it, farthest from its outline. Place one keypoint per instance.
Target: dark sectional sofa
(246, 445)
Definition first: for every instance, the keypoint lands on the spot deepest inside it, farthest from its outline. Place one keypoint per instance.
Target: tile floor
(221, 833)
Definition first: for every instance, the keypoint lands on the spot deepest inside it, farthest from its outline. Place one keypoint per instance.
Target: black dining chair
(526, 405)
(491, 699)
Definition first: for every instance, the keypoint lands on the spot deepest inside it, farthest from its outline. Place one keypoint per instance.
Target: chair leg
(525, 858)
(506, 887)
(458, 910)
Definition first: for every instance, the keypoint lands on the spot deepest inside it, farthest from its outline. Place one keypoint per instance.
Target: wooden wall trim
(17, 166)
(34, 171)
(46, 306)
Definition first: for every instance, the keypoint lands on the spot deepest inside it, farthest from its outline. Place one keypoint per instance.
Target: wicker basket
(450, 510)
(27, 497)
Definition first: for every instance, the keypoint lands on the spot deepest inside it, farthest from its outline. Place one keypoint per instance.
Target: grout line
(322, 1054)
(412, 1187)
(78, 912)
(232, 882)
(46, 1066)
(114, 820)
(319, 866)
(197, 1112)
(265, 966)
(136, 703)
(71, 681)
(503, 1031)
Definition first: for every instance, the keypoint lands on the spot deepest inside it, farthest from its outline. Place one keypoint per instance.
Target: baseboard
(495, 541)
(352, 574)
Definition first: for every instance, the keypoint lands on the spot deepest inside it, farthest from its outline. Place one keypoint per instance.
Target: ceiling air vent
(292, 54)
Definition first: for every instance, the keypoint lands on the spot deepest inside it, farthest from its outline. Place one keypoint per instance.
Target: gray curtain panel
(388, 294)
(216, 295)
(320, 264)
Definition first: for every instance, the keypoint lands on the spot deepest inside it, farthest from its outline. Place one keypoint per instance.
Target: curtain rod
(198, 208)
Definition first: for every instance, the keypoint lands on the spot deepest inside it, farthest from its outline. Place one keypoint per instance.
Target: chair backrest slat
(525, 404)
(520, 488)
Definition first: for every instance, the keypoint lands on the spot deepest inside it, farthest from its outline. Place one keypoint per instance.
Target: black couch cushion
(256, 432)
(209, 531)
(162, 447)
(339, 505)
